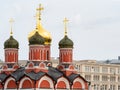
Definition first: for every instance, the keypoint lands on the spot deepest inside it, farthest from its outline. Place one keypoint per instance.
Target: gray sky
(94, 25)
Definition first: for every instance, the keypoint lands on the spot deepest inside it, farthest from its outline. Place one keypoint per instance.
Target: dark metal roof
(73, 76)
(19, 73)
(54, 73)
(35, 76)
(115, 61)
(3, 76)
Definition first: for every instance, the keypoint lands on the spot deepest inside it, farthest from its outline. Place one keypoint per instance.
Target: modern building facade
(38, 73)
(103, 75)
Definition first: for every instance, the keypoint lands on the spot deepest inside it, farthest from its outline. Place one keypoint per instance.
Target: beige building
(103, 75)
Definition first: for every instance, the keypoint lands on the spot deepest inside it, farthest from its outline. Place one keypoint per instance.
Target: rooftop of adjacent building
(55, 61)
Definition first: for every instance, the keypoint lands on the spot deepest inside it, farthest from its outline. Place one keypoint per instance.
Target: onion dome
(11, 43)
(66, 42)
(36, 39)
(45, 34)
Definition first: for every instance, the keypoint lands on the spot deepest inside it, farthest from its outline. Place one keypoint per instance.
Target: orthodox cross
(39, 11)
(11, 22)
(65, 25)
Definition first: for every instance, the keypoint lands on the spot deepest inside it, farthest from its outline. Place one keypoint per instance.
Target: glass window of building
(103, 87)
(96, 77)
(112, 87)
(88, 77)
(118, 70)
(118, 87)
(119, 79)
(96, 69)
(112, 78)
(104, 70)
(96, 87)
(87, 68)
(104, 78)
(112, 70)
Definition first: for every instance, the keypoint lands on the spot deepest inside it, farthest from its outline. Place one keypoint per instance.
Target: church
(38, 73)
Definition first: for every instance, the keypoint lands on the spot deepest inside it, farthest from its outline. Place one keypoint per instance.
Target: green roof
(11, 43)
(36, 39)
(66, 42)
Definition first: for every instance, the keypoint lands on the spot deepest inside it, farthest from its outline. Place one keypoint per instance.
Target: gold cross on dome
(65, 25)
(40, 8)
(38, 15)
(11, 22)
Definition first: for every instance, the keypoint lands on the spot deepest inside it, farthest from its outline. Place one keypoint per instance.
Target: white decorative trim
(7, 81)
(65, 81)
(81, 81)
(47, 79)
(66, 48)
(21, 82)
(11, 49)
(36, 45)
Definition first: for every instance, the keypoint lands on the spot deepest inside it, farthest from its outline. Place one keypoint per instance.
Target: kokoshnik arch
(38, 72)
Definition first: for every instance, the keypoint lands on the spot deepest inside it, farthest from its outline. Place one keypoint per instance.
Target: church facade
(38, 73)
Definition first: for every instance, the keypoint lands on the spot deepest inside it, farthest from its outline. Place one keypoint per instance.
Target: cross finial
(39, 10)
(65, 25)
(11, 22)
(38, 15)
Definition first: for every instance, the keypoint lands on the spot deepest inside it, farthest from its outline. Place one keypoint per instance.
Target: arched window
(26, 83)
(61, 85)
(77, 85)
(44, 84)
(11, 85)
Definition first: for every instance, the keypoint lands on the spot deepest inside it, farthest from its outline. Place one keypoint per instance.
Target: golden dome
(45, 34)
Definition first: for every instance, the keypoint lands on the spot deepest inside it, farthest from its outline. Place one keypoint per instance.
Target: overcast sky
(94, 25)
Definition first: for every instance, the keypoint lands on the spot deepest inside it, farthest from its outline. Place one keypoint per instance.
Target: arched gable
(71, 67)
(45, 82)
(26, 83)
(62, 82)
(15, 66)
(10, 83)
(78, 83)
(42, 65)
